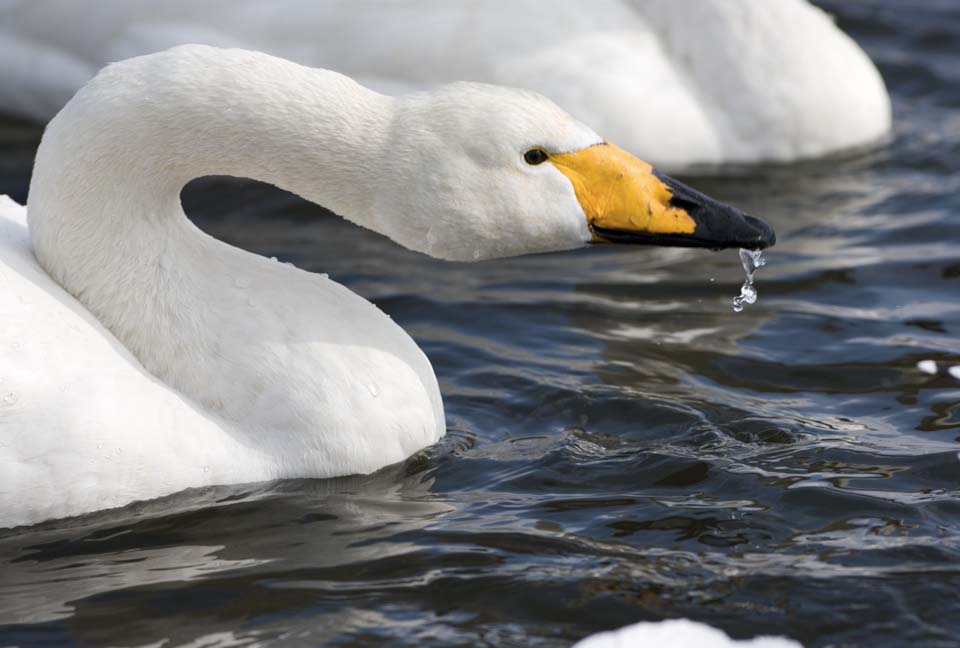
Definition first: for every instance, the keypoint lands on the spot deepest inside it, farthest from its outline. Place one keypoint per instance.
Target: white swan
(675, 82)
(184, 361)
(678, 633)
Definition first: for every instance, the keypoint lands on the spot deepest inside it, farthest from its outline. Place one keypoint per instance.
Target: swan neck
(104, 207)
(127, 143)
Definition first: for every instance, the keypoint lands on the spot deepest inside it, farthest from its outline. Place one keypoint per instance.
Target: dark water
(621, 447)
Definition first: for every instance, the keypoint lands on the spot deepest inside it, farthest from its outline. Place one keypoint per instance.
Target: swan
(140, 357)
(677, 632)
(773, 80)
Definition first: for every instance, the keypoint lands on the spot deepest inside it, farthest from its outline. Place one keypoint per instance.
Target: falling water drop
(206, 469)
(751, 260)
(373, 390)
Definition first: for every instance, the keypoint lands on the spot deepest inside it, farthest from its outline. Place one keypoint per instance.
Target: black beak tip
(764, 237)
(718, 225)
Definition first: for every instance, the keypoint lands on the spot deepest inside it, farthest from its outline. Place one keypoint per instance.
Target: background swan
(679, 633)
(184, 361)
(769, 80)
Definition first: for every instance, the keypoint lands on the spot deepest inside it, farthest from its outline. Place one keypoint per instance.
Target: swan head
(479, 172)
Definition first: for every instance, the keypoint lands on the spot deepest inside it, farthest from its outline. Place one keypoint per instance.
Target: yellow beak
(626, 201)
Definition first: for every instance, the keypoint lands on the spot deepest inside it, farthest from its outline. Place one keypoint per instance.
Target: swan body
(760, 81)
(139, 356)
(82, 425)
(677, 633)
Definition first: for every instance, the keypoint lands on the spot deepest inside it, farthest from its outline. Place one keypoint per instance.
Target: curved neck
(104, 205)
(112, 164)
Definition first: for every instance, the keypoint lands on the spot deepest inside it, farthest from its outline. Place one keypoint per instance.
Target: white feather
(675, 82)
(139, 356)
(677, 633)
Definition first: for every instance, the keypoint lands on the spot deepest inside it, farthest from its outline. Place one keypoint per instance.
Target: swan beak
(626, 201)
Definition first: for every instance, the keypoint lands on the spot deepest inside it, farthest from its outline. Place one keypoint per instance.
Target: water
(751, 260)
(621, 446)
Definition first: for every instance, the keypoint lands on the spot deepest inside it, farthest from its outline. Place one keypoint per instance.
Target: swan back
(676, 82)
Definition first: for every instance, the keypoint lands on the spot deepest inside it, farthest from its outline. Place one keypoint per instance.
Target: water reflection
(297, 536)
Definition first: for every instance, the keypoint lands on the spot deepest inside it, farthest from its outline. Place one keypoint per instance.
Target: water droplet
(476, 254)
(927, 367)
(713, 279)
(373, 390)
(751, 260)
(954, 371)
(206, 469)
(9, 398)
(241, 282)
(99, 446)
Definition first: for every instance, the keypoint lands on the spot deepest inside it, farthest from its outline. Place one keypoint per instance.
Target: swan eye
(535, 156)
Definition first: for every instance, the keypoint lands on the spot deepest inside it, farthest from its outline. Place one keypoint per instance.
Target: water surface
(621, 445)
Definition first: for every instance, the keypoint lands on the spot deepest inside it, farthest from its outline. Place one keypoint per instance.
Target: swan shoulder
(78, 414)
(339, 385)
